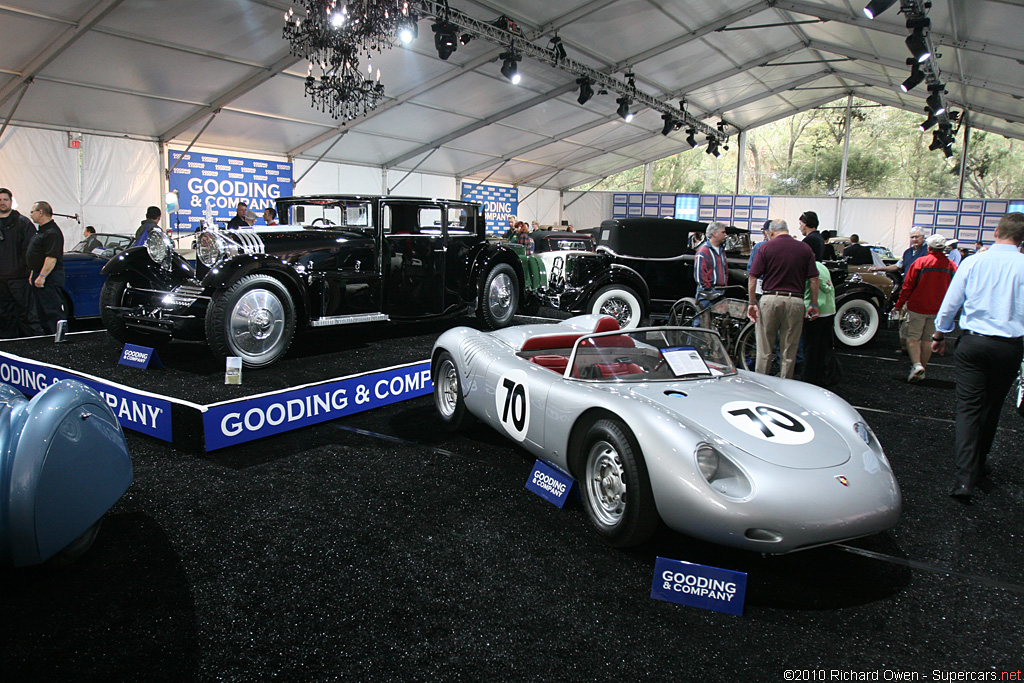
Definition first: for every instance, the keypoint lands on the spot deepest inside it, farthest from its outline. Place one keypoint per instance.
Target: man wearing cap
(989, 287)
(785, 266)
(812, 238)
(924, 287)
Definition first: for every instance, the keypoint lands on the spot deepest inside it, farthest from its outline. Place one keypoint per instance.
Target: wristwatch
(938, 338)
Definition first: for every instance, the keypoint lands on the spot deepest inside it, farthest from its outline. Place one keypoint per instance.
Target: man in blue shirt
(989, 287)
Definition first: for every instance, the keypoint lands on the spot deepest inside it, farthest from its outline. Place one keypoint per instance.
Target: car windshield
(330, 213)
(649, 354)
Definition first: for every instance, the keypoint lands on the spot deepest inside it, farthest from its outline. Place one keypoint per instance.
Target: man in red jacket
(924, 286)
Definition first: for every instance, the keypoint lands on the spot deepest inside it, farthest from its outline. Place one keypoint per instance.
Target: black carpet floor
(380, 547)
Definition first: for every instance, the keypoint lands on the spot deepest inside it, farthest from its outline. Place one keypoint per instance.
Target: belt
(793, 294)
(1012, 340)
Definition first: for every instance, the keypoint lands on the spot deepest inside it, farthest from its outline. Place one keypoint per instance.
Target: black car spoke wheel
(253, 319)
(616, 491)
(620, 302)
(451, 405)
(499, 296)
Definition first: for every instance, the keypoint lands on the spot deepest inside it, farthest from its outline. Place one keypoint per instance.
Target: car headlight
(210, 249)
(158, 245)
(863, 432)
(722, 474)
(707, 461)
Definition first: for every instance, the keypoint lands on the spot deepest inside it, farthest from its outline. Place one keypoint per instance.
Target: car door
(414, 258)
(344, 263)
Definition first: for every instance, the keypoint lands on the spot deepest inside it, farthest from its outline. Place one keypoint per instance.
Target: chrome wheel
(606, 484)
(256, 324)
(620, 303)
(856, 322)
(446, 391)
(500, 296)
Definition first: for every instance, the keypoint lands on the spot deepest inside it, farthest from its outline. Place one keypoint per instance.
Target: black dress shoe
(961, 492)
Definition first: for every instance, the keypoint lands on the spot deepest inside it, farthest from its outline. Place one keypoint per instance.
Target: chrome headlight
(159, 245)
(707, 461)
(722, 474)
(863, 432)
(210, 249)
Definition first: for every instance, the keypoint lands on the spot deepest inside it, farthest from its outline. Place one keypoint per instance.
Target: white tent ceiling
(158, 69)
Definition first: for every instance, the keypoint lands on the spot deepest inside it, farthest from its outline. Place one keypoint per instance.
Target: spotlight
(465, 38)
(586, 90)
(929, 122)
(935, 103)
(948, 150)
(623, 109)
(408, 31)
(915, 78)
(445, 39)
(558, 49)
(876, 7)
(939, 139)
(670, 124)
(918, 45)
(712, 147)
(691, 140)
(510, 66)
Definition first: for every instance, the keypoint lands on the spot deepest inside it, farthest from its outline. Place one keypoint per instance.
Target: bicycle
(726, 316)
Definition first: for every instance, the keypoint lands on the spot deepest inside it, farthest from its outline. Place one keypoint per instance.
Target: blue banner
(235, 422)
(697, 585)
(499, 203)
(135, 410)
(221, 182)
(550, 483)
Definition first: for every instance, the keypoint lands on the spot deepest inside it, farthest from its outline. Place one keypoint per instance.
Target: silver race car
(657, 423)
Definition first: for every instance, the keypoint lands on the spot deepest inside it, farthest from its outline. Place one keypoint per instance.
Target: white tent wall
(120, 178)
(542, 206)
(37, 165)
(588, 210)
(421, 185)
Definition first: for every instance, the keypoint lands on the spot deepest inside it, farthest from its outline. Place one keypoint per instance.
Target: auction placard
(697, 585)
(499, 203)
(220, 182)
(234, 422)
(550, 483)
(135, 410)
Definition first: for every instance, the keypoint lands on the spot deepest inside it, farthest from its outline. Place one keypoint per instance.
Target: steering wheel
(322, 221)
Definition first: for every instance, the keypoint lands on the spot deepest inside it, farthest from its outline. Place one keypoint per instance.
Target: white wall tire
(621, 303)
(856, 322)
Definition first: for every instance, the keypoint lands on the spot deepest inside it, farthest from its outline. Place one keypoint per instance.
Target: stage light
(935, 103)
(929, 122)
(670, 124)
(510, 67)
(691, 139)
(445, 39)
(408, 31)
(623, 109)
(918, 45)
(712, 147)
(586, 90)
(558, 48)
(915, 79)
(465, 38)
(876, 7)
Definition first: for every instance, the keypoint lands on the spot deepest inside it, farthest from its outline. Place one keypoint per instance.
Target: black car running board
(350, 319)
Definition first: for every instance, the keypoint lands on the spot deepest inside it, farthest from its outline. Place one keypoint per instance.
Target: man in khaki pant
(785, 266)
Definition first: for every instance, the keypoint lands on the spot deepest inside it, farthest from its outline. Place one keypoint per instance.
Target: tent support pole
(412, 170)
(10, 116)
(846, 159)
(198, 135)
(320, 158)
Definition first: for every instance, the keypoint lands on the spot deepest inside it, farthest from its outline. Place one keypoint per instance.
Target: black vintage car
(335, 260)
(641, 267)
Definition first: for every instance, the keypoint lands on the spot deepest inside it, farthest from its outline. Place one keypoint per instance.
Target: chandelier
(333, 35)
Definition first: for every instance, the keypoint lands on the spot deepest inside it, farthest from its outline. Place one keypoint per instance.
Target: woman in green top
(821, 366)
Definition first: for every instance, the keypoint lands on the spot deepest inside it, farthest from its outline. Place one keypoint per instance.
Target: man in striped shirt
(709, 267)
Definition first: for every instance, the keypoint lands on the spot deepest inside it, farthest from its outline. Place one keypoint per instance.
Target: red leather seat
(552, 362)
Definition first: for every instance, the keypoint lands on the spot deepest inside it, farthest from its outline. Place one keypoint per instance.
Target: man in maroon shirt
(785, 265)
(924, 287)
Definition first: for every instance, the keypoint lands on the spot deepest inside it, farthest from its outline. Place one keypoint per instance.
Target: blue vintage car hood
(763, 421)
